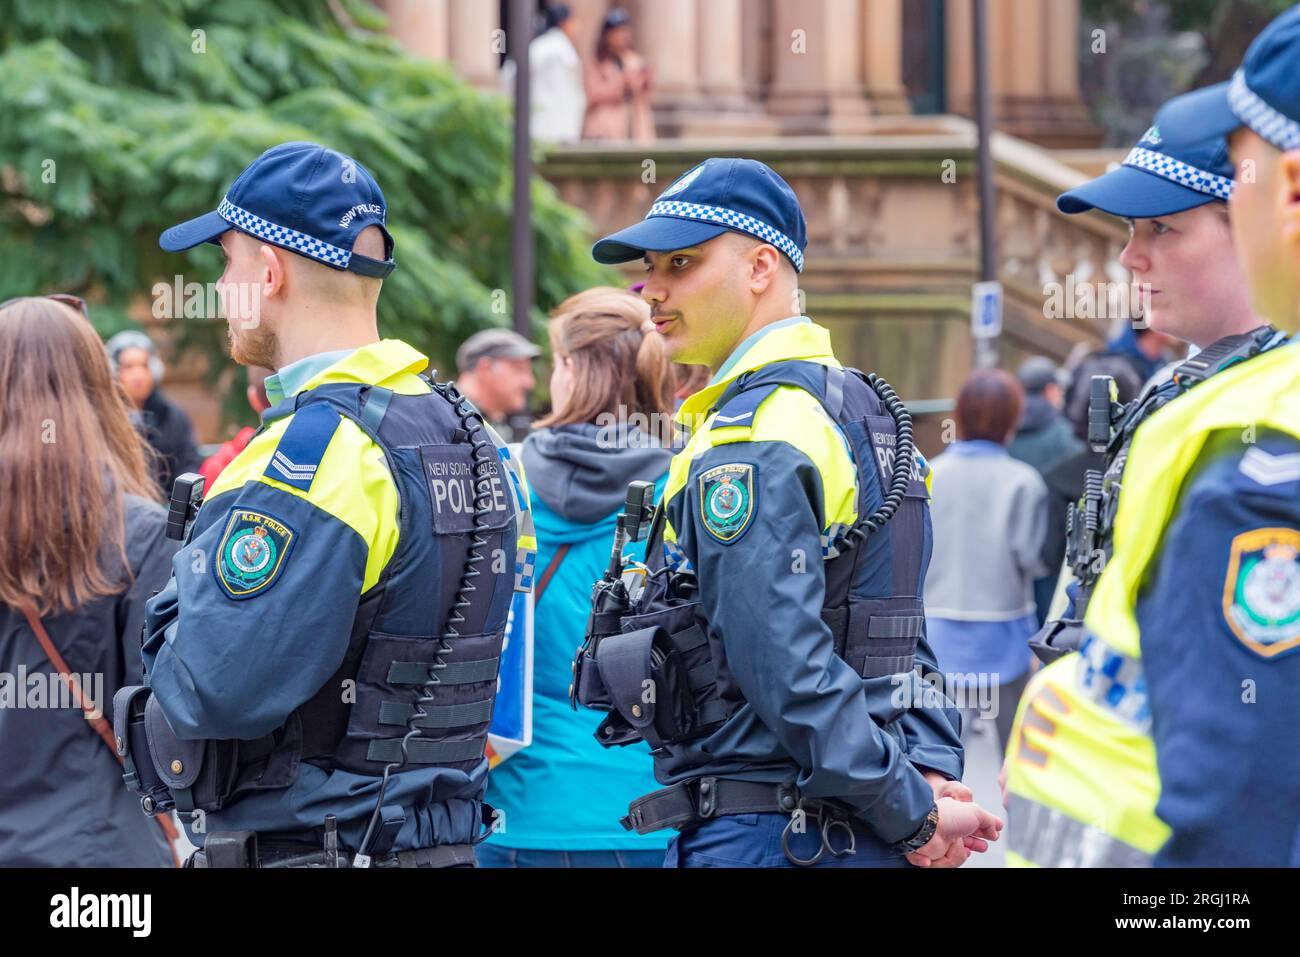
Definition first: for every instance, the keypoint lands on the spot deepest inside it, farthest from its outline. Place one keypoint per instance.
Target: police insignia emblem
(682, 183)
(251, 553)
(1261, 596)
(727, 501)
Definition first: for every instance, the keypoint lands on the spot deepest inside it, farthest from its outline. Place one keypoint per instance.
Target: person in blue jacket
(559, 800)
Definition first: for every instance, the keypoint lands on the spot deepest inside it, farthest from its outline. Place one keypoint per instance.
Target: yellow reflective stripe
(1045, 836)
(792, 416)
(1261, 393)
(389, 362)
(805, 340)
(352, 483)
(1068, 754)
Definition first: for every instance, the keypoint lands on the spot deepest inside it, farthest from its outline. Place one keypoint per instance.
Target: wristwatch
(923, 835)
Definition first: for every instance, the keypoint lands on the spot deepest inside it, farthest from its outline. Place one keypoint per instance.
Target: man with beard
(325, 654)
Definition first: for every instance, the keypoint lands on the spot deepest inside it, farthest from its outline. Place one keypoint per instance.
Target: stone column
(959, 57)
(472, 53)
(1062, 49)
(721, 74)
(1019, 33)
(1033, 69)
(420, 26)
(667, 38)
(817, 63)
(882, 53)
(725, 106)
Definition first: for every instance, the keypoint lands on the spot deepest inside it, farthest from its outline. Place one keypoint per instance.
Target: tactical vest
(1220, 355)
(874, 572)
(426, 640)
(1081, 773)
(1090, 522)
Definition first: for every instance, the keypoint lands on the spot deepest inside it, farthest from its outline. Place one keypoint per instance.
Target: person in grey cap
(796, 731)
(495, 369)
(164, 425)
(1043, 436)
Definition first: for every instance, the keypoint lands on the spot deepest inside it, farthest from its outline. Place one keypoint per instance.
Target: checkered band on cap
(283, 236)
(1279, 129)
(732, 219)
(1184, 174)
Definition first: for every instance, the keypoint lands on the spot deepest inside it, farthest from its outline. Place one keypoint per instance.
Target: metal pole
(986, 350)
(519, 34)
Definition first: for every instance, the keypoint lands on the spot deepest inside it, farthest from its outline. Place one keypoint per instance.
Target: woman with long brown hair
(82, 547)
(611, 424)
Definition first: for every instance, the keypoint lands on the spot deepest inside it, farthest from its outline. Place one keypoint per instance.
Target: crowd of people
(804, 566)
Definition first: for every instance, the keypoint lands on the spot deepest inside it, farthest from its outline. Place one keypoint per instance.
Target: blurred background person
(617, 84)
(990, 518)
(495, 372)
(558, 101)
(1131, 357)
(164, 425)
(255, 393)
(82, 546)
(1043, 440)
(562, 796)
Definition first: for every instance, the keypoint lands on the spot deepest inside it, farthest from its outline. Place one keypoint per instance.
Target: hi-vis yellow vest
(1081, 766)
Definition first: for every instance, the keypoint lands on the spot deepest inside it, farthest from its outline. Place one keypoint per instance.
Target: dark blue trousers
(754, 840)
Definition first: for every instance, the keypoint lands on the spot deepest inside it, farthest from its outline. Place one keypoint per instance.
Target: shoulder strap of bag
(540, 588)
(97, 721)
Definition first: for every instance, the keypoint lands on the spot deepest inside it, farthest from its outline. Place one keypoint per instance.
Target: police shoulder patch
(251, 553)
(1261, 594)
(727, 500)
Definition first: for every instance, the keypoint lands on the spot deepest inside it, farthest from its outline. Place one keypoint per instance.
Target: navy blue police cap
(1264, 93)
(302, 197)
(1155, 180)
(717, 196)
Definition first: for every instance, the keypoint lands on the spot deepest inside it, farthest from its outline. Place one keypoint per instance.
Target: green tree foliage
(118, 119)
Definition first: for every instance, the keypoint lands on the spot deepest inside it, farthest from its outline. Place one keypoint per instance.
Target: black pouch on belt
(647, 685)
(200, 774)
(132, 744)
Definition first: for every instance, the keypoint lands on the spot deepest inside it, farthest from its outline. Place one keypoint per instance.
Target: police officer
(322, 664)
(1196, 618)
(812, 740)
(1180, 253)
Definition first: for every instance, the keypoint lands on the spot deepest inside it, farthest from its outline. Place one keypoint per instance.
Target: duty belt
(700, 799)
(294, 855)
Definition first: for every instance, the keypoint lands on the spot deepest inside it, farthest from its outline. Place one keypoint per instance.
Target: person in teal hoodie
(560, 798)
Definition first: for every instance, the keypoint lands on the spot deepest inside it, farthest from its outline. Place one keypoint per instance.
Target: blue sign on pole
(986, 310)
